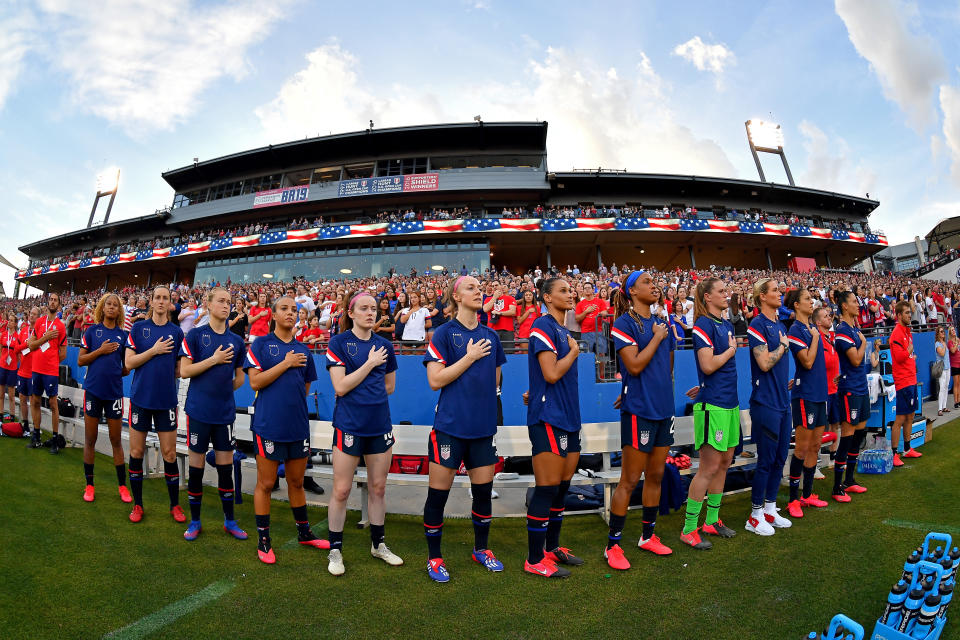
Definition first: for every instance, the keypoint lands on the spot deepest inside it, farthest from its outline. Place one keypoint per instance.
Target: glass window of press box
(344, 261)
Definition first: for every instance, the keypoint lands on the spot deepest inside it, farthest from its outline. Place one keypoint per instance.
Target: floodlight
(346, 271)
(268, 275)
(437, 267)
(768, 138)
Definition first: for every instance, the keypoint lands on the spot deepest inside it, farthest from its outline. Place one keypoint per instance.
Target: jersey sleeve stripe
(700, 333)
(798, 342)
(840, 336)
(756, 334)
(83, 341)
(130, 341)
(186, 349)
(620, 335)
(544, 338)
(334, 358)
(252, 359)
(435, 354)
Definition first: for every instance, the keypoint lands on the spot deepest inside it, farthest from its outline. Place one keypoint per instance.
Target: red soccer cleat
(654, 546)
(545, 568)
(912, 453)
(316, 543)
(795, 508)
(813, 501)
(854, 488)
(616, 559)
(125, 494)
(88, 493)
(693, 539)
(897, 462)
(841, 497)
(267, 557)
(178, 514)
(137, 514)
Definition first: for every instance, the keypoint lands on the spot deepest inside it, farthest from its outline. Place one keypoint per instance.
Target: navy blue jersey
(154, 382)
(648, 395)
(280, 409)
(852, 379)
(557, 404)
(768, 388)
(210, 394)
(809, 384)
(104, 377)
(364, 410)
(468, 406)
(720, 387)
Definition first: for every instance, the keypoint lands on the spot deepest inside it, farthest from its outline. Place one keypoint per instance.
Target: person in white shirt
(304, 301)
(415, 319)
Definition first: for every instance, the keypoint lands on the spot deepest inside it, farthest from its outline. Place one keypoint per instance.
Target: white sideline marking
(921, 526)
(157, 620)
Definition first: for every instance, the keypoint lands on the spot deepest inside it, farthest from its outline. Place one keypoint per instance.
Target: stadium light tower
(107, 183)
(767, 137)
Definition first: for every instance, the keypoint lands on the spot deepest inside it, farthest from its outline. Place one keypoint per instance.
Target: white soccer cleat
(335, 563)
(759, 526)
(777, 520)
(383, 552)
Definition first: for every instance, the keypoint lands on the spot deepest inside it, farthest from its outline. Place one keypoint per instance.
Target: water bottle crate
(883, 632)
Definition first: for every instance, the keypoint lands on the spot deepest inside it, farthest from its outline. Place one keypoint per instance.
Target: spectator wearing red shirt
(939, 303)
(501, 309)
(260, 315)
(904, 362)
(529, 311)
(589, 313)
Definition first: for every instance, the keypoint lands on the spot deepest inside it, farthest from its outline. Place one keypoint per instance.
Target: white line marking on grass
(922, 526)
(155, 621)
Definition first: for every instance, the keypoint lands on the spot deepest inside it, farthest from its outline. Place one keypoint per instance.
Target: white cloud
(705, 57)
(829, 165)
(907, 62)
(143, 65)
(950, 105)
(16, 40)
(598, 116)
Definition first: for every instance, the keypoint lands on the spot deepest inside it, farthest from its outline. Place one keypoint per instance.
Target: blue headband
(632, 279)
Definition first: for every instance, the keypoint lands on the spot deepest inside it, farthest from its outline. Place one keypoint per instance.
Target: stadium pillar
(693, 261)
(766, 252)
(549, 263)
(829, 263)
(106, 282)
(176, 275)
(599, 258)
(149, 278)
(873, 263)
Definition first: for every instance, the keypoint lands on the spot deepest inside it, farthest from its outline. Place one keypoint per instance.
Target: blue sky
(867, 91)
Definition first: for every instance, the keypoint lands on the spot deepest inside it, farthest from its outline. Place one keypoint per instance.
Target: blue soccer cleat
(231, 527)
(488, 560)
(193, 531)
(437, 570)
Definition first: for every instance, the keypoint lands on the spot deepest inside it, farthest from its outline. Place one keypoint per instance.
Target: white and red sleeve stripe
(252, 361)
(700, 333)
(622, 337)
(797, 341)
(844, 338)
(756, 334)
(433, 353)
(83, 341)
(544, 338)
(186, 349)
(130, 342)
(334, 358)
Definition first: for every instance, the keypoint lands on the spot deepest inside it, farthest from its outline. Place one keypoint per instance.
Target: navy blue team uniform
(852, 387)
(280, 425)
(361, 418)
(153, 395)
(809, 394)
(553, 410)
(716, 409)
(769, 410)
(210, 406)
(646, 400)
(103, 383)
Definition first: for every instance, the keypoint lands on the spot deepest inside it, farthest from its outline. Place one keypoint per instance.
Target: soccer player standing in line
(809, 401)
(25, 372)
(151, 355)
(769, 406)
(9, 361)
(281, 370)
(463, 361)
(716, 411)
(553, 419)
(854, 398)
(101, 353)
(49, 347)
(212, 357)
(823, 319)
(645, 348)
(362, 368)
(904, 380)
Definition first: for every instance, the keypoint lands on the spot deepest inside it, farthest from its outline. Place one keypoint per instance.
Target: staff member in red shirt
(25, 372)
(823, 319)
(49, 346)
(904, 379)
(9, 354)
(501, 309)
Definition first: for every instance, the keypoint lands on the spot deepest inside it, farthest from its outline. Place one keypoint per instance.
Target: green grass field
(75, 570)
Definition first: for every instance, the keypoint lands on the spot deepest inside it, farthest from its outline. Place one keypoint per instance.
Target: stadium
(447, 196)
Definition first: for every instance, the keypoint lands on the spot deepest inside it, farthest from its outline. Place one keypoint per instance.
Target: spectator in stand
(259, 317)
(590, 310)
(238, 317)
(384, 325)
(528, 311)
(188, 316)
(501, 309)
(416, 320)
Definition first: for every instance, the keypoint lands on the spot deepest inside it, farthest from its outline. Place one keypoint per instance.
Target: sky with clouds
(867, 91)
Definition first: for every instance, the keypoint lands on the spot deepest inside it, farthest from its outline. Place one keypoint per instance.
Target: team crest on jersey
(457, 338)
(193, 439)
(274, 350)
(718, 436)
(563, 442)
(853, 414)
(644, 437)
(810, 420)
(146, 332)
(347, 440)
(268, 446)
(134, 417)
(99, 333)
(206, 340)
(352, 348)
(445, 451)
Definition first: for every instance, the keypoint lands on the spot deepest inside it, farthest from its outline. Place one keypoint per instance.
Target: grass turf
(70, 569)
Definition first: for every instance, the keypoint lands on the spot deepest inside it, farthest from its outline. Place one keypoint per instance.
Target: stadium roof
(366, 144)
(944, 234)
(99, 232)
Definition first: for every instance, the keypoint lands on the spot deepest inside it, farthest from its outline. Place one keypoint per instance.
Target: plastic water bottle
(928, 613)
(896, 597)
(911, 607)
(910, 565)
(946, 595)
(928, 583)
(955, 557)
(935, 555)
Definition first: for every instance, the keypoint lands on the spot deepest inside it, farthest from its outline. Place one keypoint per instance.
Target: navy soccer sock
(796, 472)
(171, 471)
(121, 474)
(335, 538)
(88, 473)
(481, 511)
(303, 524)
(136, 480)
(538, 516)
(225, 487)
(556, 517)
(853, 455)
(616, 529)
(263, 532)
(840, 464)
(649, 521)
(377, 534)
(195, 491)
(808, 473)
(433, 519)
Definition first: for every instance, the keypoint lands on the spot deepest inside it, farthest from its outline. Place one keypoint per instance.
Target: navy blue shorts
(25, 386)
(159, 419)
(547, 438)
(200, 434)
(354, 445)
(809, 414)
(281, 451)
(8, 377)
(907, 400)
(834, 413)
(96, 407)
(43, 383)
(644, 435)
(449, 451)
(854, 409)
